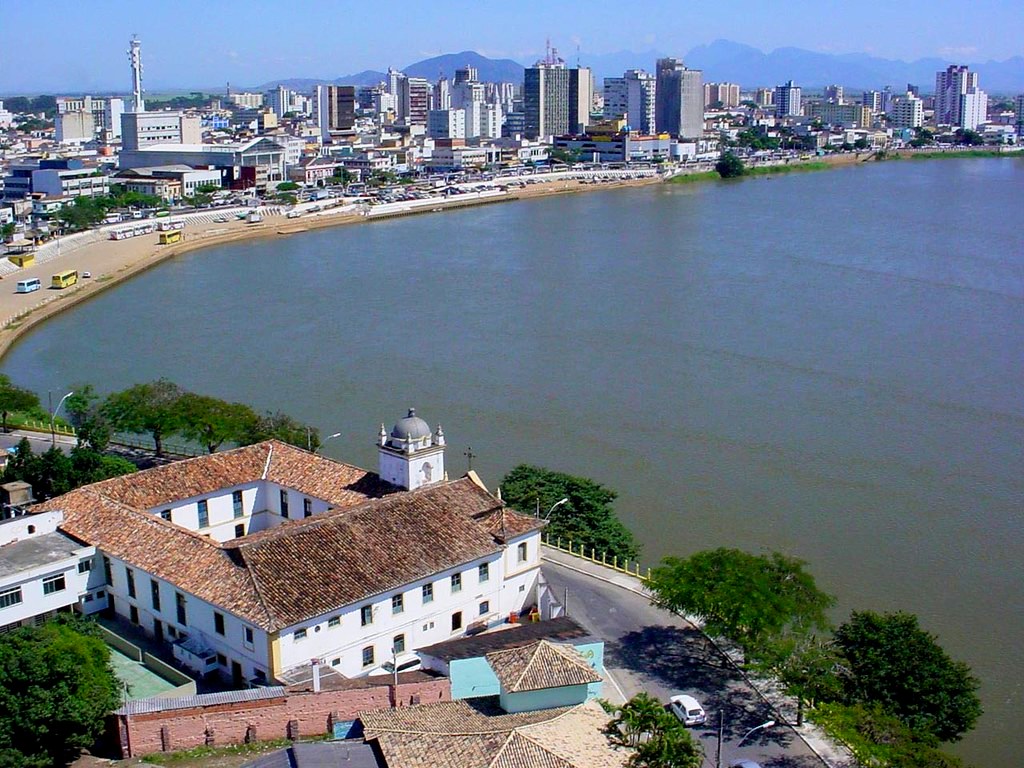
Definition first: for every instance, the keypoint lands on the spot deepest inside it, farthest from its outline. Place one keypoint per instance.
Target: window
(456, 582)
(485, 607)
(179, 605)
(397, 603)
(366, 615)
(130, 574)
(222, 660)
(166, 515)
(428, 593)
(336, 662)
(236, 503)
(84, 566)
(259, 674)
(368, 656)
(53, 584)
(133, 614)
(307, 507)
(204, 514)
(284, 503)
(456, 621)
(247, 636)
(218, 623)
(240, 530)
(107, 574)
(398, 644)
(31, 530)
(88, 597)
(154, 594)
(521, 549)
(484, 572)
(10, 597)
(300, 634)
(333, 622)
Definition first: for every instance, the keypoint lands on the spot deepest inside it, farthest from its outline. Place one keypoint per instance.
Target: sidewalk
(833, 754)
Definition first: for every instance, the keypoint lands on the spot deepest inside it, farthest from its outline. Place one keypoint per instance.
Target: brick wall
(292, 715)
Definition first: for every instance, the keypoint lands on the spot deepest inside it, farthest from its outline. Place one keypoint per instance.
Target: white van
(27, 286)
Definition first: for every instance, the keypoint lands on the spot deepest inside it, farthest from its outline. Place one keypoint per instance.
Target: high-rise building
(442, 95)
(632, 96)
(906, 111)
(466, 75)
(787, 100)
(546, 98)
(764, 97)
(833, 94)
(446, 124)
(958, 99)
(872, 100)
(679, 100)
(913, 90)
(581, 97)
(335, 109)
(280, 100)
(726, 94)
(414, 100)
(1020, 116)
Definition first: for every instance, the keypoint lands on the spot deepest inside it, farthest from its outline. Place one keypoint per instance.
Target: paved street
(647, 649)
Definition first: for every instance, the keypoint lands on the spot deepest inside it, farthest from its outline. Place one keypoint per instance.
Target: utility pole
(721, 730)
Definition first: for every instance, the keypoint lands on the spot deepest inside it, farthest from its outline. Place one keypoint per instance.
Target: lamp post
(329, 437)
(555, 506)
(721, 729)
(53, 416)
(746, 736)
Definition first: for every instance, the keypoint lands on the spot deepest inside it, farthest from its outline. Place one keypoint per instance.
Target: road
(647, 649)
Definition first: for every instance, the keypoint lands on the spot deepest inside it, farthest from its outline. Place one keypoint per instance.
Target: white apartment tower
(411, 455)
(1020, 116)
(634, 95)
(787, 100)
(958, 99)
(906, 111)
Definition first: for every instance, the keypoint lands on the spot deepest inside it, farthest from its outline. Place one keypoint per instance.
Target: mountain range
(721, 61)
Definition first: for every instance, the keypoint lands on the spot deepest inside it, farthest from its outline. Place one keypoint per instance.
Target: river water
(826, 364)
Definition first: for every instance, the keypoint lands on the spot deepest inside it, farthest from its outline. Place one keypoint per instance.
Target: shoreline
(113, 262)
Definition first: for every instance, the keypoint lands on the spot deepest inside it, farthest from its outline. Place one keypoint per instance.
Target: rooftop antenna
(135, 59)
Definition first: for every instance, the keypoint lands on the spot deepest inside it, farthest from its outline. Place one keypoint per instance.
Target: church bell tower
(411, 456)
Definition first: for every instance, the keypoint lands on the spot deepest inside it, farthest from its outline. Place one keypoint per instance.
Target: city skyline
(250, 43)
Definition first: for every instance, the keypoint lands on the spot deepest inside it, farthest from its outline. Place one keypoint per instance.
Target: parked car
(687, 709)
(87, 274)
(744, 764)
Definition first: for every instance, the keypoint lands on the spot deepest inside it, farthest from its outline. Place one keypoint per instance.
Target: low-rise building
(55, 177)
(168, 182)
(258, 163)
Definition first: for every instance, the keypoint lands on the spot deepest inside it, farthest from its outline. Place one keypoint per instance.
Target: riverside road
(647, 649)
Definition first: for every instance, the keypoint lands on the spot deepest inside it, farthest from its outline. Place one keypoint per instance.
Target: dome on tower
(412, 427)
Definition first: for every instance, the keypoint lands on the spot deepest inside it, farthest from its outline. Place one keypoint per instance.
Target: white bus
(27, 286)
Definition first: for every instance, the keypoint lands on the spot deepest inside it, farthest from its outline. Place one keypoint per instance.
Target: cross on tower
(468, 453)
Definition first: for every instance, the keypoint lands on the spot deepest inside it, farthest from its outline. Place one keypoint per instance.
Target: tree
(587, 518)
(751, 599)
(86, 416)
(56, 688)
(146, 409)
(657, 737)
(968, 137)
(14, 398)
(729, 166)
(860, 144)
(895, 663)
(53, 472)
(7, 231)
(287, 186)
(274, 425)
(212, 422)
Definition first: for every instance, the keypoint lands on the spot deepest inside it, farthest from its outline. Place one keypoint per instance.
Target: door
(236, 673)
(158, 630)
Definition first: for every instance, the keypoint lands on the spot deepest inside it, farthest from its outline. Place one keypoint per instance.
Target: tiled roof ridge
(557, 714)
(263, 601)
(517, 734)
(145, 517)
(332, 515)
(266, 464)
(543, 646)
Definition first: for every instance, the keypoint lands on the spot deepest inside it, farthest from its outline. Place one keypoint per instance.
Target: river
(826, 364)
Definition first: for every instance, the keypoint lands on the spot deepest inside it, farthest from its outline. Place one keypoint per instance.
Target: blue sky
(80, 44)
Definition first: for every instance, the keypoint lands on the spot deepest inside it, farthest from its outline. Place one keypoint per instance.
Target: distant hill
(722, 60)
(489, 70)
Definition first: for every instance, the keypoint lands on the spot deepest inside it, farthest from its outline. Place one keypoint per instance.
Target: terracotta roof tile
(361, 548)
(540, 665)
(461, 734)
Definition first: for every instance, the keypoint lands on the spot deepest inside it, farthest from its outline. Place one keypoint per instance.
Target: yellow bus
(64, 279)
(173, 236)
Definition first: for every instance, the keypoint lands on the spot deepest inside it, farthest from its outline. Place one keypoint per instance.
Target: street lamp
(309, 439)
(746, 736)
(555, 506)
(53, 417)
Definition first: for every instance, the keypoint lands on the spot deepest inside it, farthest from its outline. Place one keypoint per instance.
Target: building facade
(787, 100)
(141, 129)
(959, 101)
(546, 100)
(907, 111)
(679, 100)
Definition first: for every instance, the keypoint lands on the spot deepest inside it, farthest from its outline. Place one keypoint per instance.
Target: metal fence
(630, 567)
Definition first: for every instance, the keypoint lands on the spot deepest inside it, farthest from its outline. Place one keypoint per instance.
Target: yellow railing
(630, 567)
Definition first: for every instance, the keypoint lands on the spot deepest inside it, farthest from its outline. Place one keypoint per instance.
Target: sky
(80, 45)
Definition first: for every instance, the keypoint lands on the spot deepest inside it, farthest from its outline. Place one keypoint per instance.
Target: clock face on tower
(427, 470)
